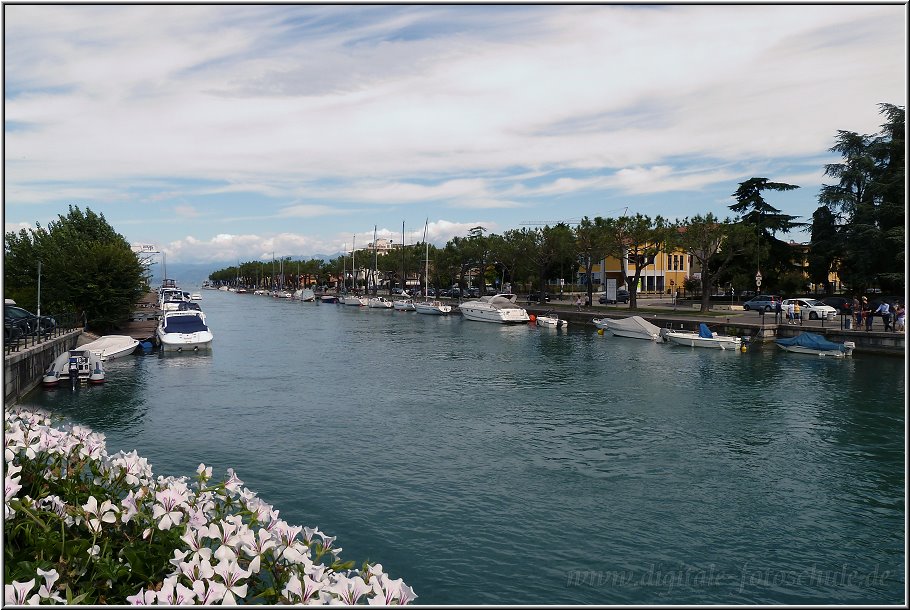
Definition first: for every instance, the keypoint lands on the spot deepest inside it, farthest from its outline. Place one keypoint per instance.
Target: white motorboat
(704, 338)
(76, 365)
(499, 308)
(305, 294)
(815, 345)
(404, 305)
(329, 298)
(433, 308)
(379, 303)
(109, 347)
(353, 300)
(551, 320)
(634, 327)
(196, 296)
(169, 299)
(186, 330)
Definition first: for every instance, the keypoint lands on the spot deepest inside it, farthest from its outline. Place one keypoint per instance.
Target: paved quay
(726, 320)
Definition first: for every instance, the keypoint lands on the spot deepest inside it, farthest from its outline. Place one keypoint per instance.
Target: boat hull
(79, 365)
(551, 322)
(798, 349)
(695, 340)
(404, 306)
(111, 347)
(185, 342)
(433, 309)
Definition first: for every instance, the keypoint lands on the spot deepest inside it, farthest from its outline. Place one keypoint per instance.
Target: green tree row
(86, 268)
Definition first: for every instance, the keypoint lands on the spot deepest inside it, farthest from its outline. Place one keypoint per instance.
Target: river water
(491, 464)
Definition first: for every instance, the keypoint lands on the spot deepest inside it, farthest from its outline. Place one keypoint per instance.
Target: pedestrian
(578, 303)
(899, 317)
(789, 312)
(867, 313)
(857, 312)
(778, 311)
(797, 314)
(884, 309)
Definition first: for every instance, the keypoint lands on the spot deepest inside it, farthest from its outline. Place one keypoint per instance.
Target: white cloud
(332, 112)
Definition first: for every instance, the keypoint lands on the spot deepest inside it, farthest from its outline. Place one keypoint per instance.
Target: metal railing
(63, 323)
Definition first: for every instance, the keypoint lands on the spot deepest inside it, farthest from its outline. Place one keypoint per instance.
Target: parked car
(622, 296)
(27, 322)
(812, 309)
(762, 302)
(473, 292)
(535, 297)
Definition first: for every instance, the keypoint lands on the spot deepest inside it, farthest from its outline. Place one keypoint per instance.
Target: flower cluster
(101, 528)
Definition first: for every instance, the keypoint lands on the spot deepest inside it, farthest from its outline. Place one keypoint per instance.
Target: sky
(239, 132)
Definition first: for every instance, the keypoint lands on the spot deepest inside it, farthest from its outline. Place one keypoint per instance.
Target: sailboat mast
(426, 264)
(404, 277)
(375, 261)
(344, 268)
(353, 266)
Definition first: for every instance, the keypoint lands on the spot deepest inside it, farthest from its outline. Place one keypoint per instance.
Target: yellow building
(668, 272)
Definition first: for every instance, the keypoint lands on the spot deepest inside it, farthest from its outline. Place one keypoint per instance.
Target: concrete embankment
(746, 324)
(22, 370)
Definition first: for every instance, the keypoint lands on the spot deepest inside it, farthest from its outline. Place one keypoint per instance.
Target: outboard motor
(74, 371)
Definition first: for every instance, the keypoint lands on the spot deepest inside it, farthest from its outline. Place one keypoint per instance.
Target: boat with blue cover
(816, 345)
(703, 338)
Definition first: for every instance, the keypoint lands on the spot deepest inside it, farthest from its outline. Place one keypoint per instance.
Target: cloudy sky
(230, 132)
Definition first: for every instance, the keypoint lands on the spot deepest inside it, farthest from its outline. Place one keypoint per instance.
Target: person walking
(867, 313)
(884, 309)
(797, 314)
(899, 317)
(578, 303)
(789, 313)
(857, 312)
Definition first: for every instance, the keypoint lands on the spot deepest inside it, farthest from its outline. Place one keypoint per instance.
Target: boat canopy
(184, 324)
(704, 332)
(811, 341)
(635, 324)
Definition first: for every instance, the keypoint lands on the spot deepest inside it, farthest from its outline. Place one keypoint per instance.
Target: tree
(546, 247)
(706, 239)
(592, 242)
(824, 249)
(86, 266)
(773, 257)
(636, 239)
(869, 202)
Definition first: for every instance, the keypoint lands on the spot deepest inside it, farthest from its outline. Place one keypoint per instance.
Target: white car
(812, 309)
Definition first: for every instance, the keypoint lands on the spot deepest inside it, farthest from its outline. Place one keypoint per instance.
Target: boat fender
(146, 346)
(744, 348)
(532, 318)
(600, 331)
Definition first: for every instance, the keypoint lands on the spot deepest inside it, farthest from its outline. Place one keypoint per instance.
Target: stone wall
(22, 371)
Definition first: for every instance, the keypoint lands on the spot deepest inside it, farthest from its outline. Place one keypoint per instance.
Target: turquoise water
(510, 464)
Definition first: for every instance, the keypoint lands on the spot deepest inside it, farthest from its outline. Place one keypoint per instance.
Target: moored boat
(816, 345)
(379, 303)
(704, 338)
(305, 294)
(551, 320)
(109, 347)
(404, 305)
(499, 308)
(186, 330)
(433, 308)
(76, 365)
(634, 327)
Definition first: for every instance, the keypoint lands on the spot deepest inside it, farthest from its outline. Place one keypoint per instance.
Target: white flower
(143, 598)
(231, 574)
(17, 592)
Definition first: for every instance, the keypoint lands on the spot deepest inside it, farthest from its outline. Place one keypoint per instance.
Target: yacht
(183, 330)
(379, 303)
(499, 308)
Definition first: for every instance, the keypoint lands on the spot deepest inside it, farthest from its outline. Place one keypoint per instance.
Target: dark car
(27, 322)
(843, 305)
(535, 297)
(473, 292)
(622, 296)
